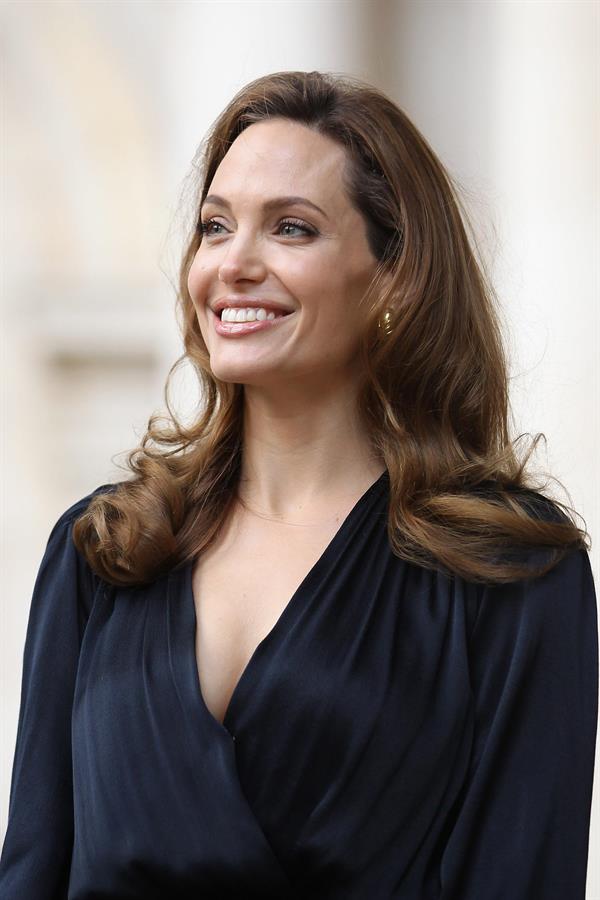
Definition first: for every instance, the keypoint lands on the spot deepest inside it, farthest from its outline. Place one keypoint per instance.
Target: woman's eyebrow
(269, 205)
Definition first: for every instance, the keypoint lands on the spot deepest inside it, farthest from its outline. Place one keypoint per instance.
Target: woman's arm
(521, 826)
(36, 856)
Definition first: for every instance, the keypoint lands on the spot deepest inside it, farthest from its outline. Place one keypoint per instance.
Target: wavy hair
(434, 402)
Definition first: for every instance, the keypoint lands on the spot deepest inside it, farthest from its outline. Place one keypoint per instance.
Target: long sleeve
(36, 856)
(522, 825)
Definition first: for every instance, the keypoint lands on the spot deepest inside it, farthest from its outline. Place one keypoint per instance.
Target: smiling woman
(329, 640)
(256, 251)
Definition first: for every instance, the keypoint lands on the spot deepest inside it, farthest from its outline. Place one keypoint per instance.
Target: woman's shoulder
(539, 505)
(65, 581)
(78, 507)
(61, 555)
(532, 500)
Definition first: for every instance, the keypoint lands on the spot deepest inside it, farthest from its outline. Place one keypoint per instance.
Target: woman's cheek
(191, 285)
(196, 274)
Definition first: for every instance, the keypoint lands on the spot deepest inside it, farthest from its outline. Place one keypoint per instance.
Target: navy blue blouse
(397, 734)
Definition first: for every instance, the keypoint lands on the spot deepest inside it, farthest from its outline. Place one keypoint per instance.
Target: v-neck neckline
(284, 620)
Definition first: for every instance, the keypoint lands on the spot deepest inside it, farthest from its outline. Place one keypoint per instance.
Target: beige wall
(103, 107)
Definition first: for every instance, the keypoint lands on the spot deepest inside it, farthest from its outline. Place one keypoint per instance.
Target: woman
(329, 640)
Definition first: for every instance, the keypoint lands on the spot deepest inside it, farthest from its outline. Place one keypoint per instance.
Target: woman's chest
(357, 704)
(241, 587)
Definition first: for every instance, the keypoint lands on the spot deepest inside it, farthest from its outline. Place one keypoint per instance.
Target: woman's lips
(239, 329)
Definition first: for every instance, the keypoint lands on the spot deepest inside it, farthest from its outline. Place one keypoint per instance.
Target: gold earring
(385, 322)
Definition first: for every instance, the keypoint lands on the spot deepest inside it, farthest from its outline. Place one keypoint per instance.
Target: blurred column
(508, 95)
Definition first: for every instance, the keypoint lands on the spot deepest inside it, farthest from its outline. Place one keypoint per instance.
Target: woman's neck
(304, 454)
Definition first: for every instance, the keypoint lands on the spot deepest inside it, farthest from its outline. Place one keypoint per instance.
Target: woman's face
(280, 235)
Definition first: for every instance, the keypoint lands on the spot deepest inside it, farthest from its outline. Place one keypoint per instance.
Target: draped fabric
(397, 734)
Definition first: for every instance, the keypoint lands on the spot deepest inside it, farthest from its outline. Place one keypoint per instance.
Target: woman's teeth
(231, 314)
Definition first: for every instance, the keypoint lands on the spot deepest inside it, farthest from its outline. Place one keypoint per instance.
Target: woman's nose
(242, 261)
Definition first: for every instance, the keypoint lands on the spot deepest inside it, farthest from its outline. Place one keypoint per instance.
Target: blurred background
(103, 107)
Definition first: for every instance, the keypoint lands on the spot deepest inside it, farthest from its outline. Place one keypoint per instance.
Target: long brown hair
(435, 397)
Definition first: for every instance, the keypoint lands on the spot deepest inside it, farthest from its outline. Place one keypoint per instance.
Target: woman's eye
(205, 227)
(299, 226)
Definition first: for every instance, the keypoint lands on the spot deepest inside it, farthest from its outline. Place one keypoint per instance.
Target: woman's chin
(255, 374)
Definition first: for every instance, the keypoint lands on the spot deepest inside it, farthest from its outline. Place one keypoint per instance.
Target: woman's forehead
(286, 157)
